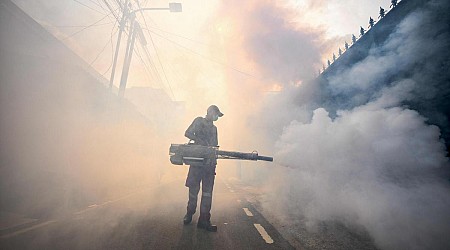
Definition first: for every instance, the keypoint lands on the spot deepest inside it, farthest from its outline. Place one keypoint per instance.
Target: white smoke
(373, 165)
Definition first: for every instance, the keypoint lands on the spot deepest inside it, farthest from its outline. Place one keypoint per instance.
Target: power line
(162, 67)
(148, 72)
(104, 47)
(80, 26)
(87, 26)
(87, 6)
(112, 10)
(103, 8)
(147, 53)
(149, 58)
(99, 5)
(210, 59)
(187, 38)
(120, 4)
(157, 54)
(146, 50)
(112, 55)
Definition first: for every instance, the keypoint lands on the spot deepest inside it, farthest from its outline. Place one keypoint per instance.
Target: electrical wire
(104, 47)
(87, 6)
(153, 67)
(120, 4)
(103, 8)
(156, 51)
(162, 67)
(210, 59)
(112, 10)
(73, 34)
(148, 72)
(189, 39)
(80, 26)
(99, 5)
(145, 49)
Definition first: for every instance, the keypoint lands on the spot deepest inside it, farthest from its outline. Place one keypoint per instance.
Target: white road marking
(231, 190)
(247, 212)
(264, 233)
(28, 229)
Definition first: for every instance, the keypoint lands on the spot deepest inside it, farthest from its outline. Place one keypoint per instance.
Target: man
(203, 132)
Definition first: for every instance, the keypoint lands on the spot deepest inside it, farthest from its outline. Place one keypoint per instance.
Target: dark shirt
(203, 132)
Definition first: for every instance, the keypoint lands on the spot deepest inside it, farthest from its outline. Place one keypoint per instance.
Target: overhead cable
(87, 6)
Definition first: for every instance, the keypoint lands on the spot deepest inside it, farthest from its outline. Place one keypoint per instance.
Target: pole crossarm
(134, 11)
(134, 31)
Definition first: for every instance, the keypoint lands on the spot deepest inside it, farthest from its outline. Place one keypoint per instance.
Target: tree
(362, 31)
(353, 39)
(329, 63)
(340, 52)
(393, 3)
(371, 22)
(334, 57)
(346, 45)
(382, 13)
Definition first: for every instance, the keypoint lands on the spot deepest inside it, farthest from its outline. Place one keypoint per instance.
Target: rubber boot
(207, 226)
(187, 218)
(205, 223)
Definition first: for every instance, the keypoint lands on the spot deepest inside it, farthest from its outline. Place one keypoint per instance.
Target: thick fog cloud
(262, 39)
(266, 33)
(278, 47)
(370, 167)
(373, 163)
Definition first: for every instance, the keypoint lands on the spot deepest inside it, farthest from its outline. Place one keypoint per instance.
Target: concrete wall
(431, 93)
(66, 141)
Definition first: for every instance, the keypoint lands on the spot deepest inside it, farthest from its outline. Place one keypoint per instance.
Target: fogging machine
(196, 154)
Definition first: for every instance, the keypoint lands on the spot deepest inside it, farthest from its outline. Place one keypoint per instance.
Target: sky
(213, 52)
(190, 50)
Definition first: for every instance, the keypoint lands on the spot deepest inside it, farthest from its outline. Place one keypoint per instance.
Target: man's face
(215, 117)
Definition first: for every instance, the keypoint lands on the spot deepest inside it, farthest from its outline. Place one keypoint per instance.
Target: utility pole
(119, 38)
(135, 30)
(128, 55)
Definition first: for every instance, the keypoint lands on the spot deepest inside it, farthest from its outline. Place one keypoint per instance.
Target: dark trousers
(205, 175)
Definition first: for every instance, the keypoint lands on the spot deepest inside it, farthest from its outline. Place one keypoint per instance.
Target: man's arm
(191, 132)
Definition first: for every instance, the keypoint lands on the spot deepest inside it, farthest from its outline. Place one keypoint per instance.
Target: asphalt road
(152, 219)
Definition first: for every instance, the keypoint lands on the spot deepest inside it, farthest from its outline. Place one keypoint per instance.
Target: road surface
(152, 219)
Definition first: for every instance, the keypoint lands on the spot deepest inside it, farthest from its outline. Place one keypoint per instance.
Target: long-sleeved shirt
(203, 132)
